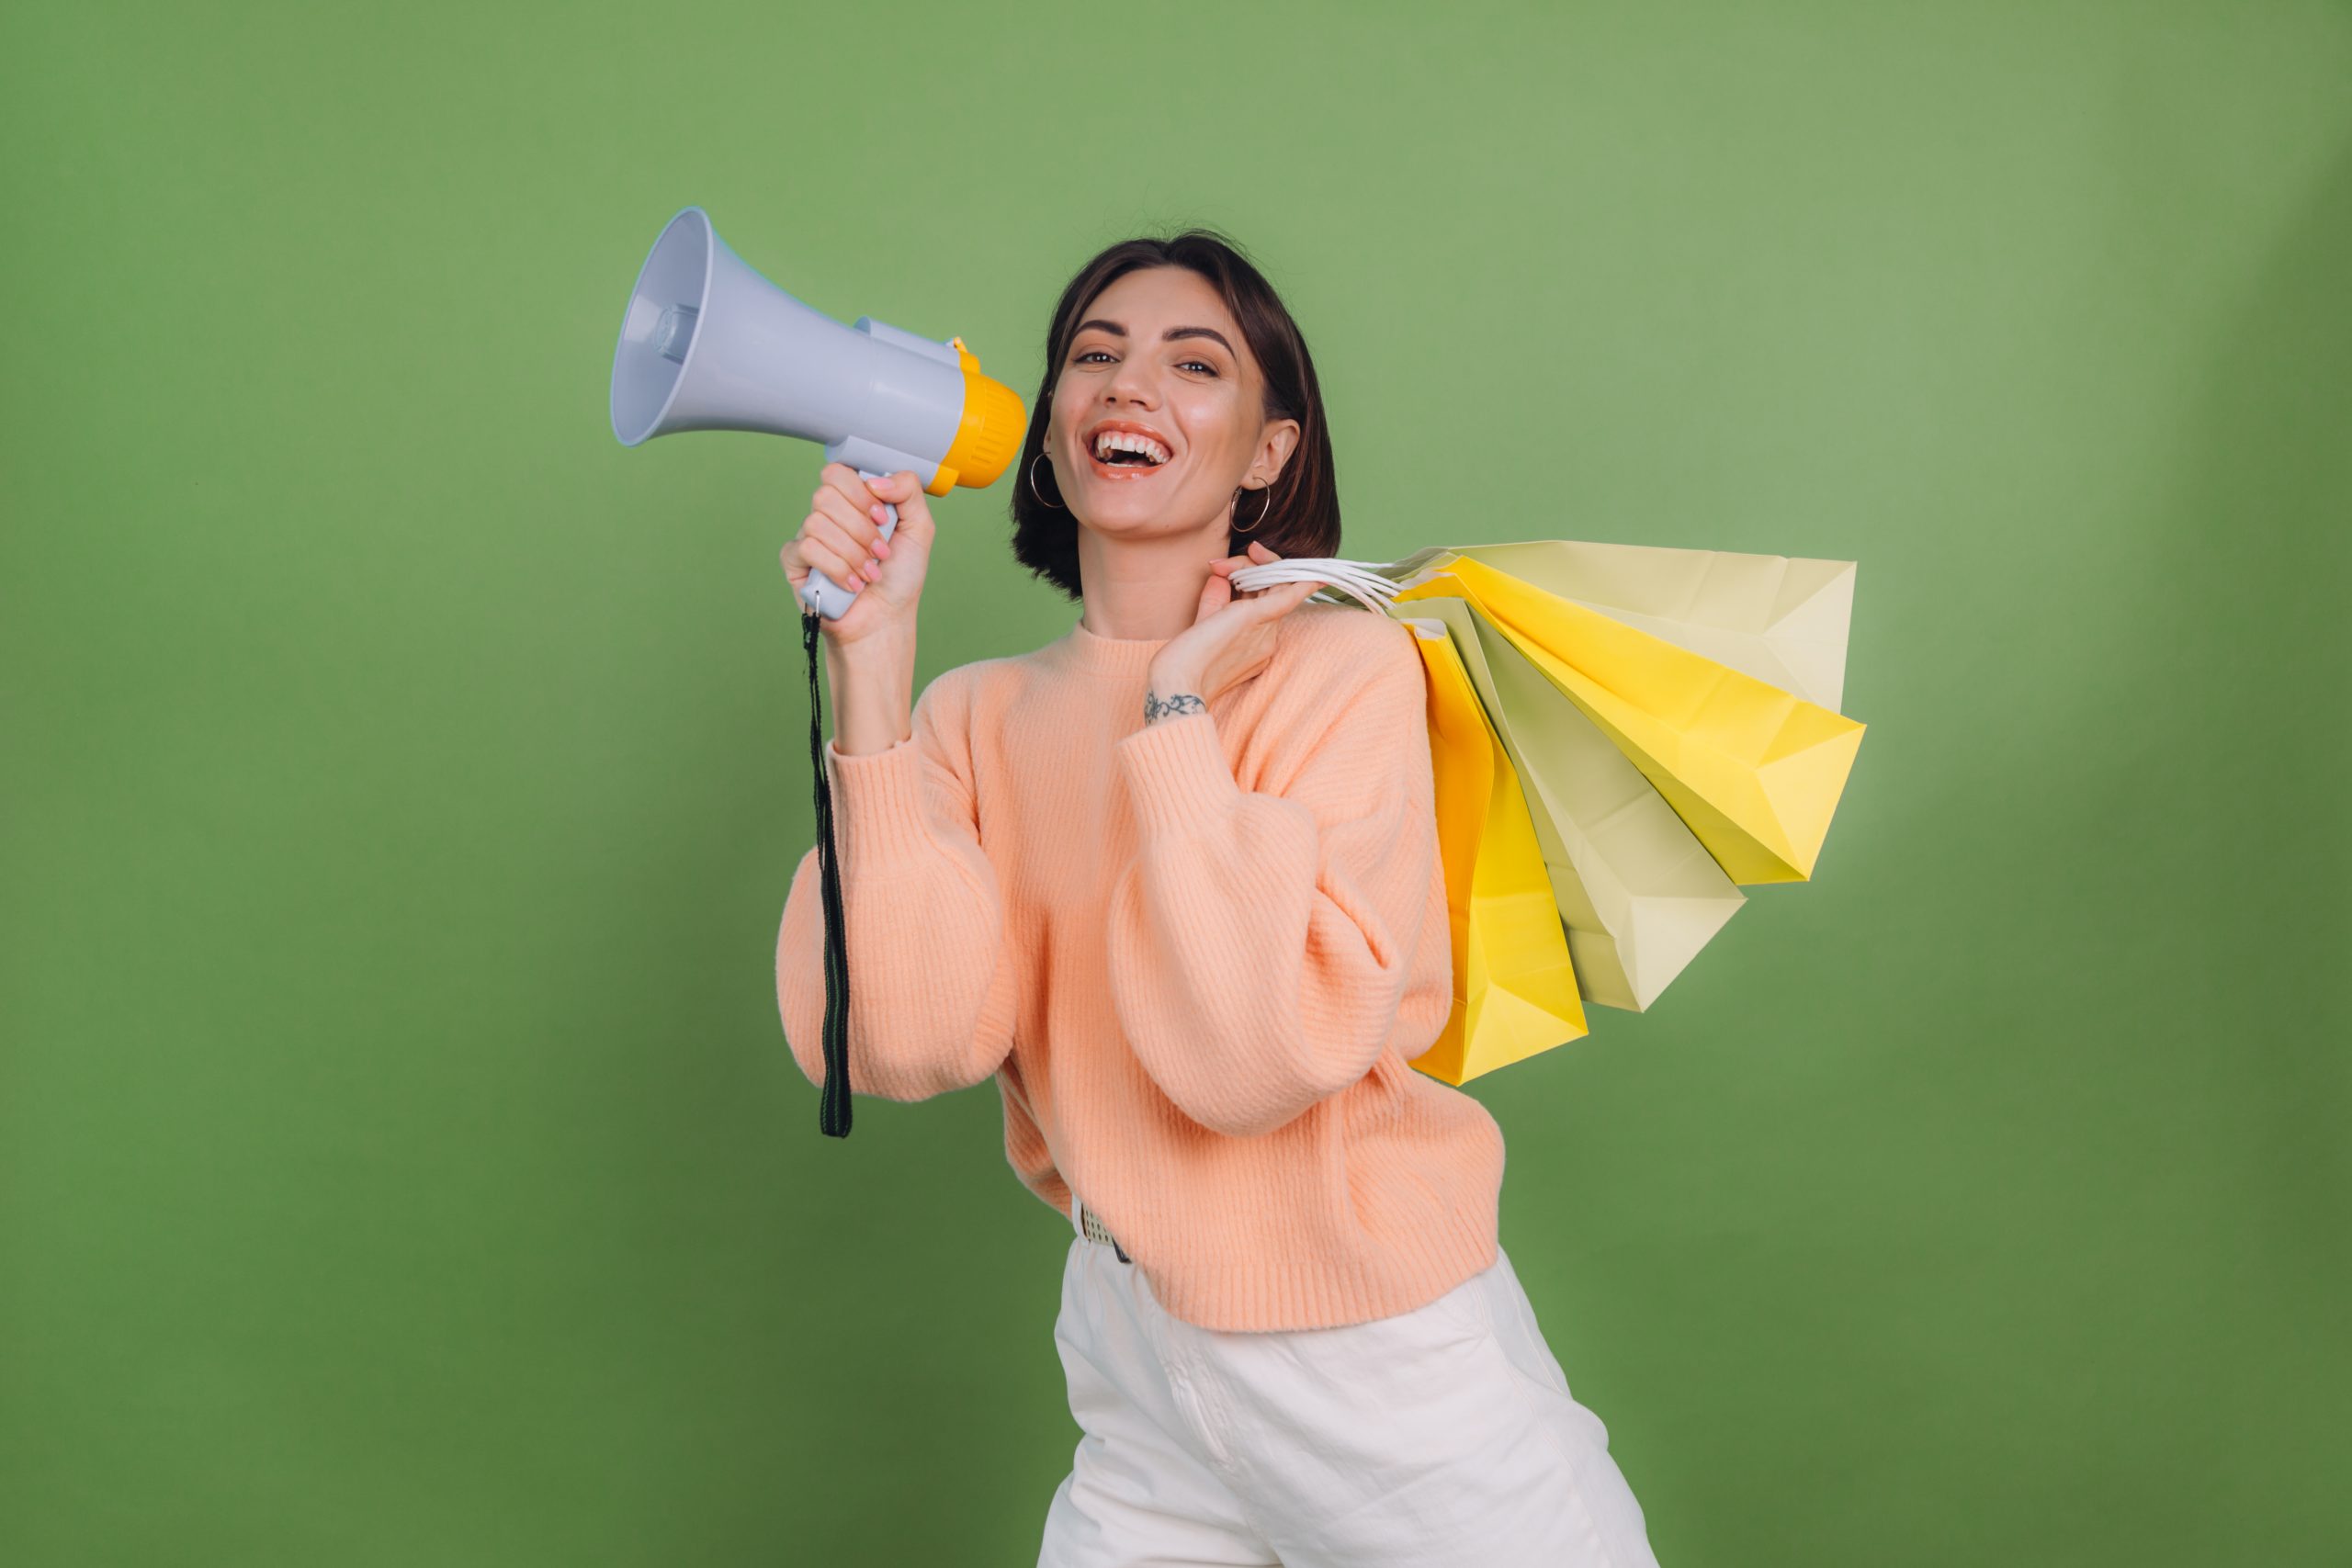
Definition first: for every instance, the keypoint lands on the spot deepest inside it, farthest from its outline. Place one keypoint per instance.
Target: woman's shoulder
(973, 698)
(1343, 647)
(1346, 683)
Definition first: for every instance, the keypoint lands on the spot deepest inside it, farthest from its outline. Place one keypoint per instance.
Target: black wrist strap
(833, 1111)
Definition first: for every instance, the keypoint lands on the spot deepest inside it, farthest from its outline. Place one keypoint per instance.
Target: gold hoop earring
(1267, 495)
(1055, 505)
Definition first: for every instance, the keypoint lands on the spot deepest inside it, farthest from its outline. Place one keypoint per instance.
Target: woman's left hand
(1229, 632)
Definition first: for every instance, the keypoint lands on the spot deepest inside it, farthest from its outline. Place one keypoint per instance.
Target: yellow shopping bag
(1514, 984)
(1755, 770)
(1638, 893)
(1782, 619)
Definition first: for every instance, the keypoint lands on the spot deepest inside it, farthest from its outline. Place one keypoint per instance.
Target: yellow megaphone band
(989, 435)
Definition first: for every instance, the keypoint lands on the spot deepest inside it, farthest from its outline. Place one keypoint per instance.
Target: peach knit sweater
(1196, 955)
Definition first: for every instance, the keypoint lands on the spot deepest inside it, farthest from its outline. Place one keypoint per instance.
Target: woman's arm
(923, 918)
(1261, 945)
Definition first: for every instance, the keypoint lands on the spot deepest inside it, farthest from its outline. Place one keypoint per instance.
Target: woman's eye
(1202, 364)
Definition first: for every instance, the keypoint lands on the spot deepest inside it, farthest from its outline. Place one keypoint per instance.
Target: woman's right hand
(842, 536)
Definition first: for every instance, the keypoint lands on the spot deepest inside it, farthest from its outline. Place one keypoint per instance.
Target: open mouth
(1122, 453)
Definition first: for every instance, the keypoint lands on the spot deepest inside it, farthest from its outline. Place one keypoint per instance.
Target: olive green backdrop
(400, 1163)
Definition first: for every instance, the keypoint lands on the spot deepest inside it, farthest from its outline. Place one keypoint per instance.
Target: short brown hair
(1302, 507)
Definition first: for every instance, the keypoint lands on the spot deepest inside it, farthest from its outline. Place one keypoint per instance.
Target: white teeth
(1126, 441)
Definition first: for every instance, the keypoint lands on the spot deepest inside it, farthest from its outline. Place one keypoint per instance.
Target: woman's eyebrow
(1170, 336)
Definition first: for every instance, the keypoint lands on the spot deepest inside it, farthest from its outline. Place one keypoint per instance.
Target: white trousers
(1442, 1435)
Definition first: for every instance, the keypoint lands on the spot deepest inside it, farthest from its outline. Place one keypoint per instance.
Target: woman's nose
(1130, 384)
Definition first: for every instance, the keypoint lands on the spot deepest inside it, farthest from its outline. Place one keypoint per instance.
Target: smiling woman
(1173, 881)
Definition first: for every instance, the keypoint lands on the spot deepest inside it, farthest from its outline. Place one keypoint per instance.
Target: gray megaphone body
(707, 343)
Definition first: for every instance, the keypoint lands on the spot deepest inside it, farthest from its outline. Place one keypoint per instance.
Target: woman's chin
(1134, 517)
(1108, 500)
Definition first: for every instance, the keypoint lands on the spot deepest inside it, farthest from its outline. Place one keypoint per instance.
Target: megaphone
(707, 343)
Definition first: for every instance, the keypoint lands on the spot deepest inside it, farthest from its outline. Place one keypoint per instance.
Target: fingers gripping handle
(829, 598)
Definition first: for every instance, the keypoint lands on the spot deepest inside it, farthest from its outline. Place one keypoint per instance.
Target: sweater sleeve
(1261, 943)
(931, 992)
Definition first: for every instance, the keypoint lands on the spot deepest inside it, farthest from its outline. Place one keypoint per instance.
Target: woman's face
(1159, 359)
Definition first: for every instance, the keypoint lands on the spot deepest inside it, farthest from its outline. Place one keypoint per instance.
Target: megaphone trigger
(820, 591)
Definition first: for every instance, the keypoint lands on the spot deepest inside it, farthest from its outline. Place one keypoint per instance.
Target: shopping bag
(1636, 893)
(1514, 984)
(1755, 770)
(1782, 619)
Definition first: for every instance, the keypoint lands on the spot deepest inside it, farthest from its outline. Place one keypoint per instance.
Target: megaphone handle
(820, 592)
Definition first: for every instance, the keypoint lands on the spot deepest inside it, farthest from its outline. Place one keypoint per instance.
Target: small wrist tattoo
(1156, 707)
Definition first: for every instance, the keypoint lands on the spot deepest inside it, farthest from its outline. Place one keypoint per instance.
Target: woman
(1173, 881)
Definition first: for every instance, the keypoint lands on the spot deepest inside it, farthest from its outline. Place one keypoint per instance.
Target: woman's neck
(1144, 589)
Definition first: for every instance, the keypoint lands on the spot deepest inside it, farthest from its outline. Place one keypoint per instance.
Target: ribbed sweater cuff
(1176, 772)
(878, 804)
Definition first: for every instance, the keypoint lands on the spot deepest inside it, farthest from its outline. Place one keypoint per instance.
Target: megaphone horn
(708, 343)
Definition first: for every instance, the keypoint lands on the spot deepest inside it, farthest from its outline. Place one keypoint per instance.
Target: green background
(400, 1163)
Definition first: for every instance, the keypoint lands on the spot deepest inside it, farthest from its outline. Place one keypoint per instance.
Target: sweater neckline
(1115, 655)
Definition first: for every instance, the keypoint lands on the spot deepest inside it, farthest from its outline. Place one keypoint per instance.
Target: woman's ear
(1279, 440)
